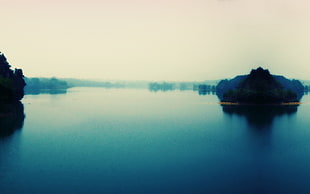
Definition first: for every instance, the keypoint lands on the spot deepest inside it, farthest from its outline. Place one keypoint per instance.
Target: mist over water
(95, 140)
(153, 138)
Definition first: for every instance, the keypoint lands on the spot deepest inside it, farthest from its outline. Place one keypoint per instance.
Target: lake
(96, 140)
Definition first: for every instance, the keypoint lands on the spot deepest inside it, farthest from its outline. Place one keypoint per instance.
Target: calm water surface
(95, 140)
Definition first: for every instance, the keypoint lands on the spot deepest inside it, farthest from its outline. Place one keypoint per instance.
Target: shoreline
(263, 104)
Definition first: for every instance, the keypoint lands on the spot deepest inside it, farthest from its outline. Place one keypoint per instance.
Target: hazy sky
(156, 39)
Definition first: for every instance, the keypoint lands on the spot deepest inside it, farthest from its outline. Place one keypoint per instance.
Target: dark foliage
(45, 85)
(11, 82)
(226, 85)
(161, 86)
(260, 87)
(204, 89)
(306, 89)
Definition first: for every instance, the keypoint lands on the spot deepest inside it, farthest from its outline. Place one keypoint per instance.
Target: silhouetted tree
(11, 82)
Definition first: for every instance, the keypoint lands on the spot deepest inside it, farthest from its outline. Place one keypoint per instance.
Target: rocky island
(259, 87)
(11, 82)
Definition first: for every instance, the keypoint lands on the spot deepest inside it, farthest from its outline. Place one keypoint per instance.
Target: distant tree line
(45, 85)
(154, 86)
(91, 83)
(306, 89)
(203, 89)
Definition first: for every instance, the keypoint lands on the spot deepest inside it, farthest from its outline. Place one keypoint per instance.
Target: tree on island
(260, 87)
(11, 82)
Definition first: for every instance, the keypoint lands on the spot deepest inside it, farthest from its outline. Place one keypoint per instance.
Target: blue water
(95, 140)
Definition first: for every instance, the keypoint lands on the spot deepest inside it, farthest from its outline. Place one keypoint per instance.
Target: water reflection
(45, 91)
(259, 116)
(11, 118)
(205, 92)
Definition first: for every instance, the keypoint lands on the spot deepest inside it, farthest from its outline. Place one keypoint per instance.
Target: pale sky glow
(179, 40)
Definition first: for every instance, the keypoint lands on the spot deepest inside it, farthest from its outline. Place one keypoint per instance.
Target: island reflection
(11, 118)
(259, 116)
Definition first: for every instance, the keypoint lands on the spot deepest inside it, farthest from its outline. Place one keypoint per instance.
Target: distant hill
(260, 87)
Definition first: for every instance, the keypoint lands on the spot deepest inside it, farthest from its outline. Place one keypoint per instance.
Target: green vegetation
(260, 96)
(260, 87)
(45, 85)
(11, 82)
(161, 86)
(201, 87)
(204, 89)
(307, 89)
(92, 83)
